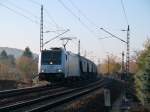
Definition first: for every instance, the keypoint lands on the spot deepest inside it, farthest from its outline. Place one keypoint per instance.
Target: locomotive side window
(66, 57)
(51, 58)
(87, 67)
(84, 66)
(81, 68)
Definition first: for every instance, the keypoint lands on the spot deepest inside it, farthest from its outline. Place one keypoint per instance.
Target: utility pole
(79, 47)
(128, 46)
(128, 51)
(41, 29)
(108, 64)
(122, 67)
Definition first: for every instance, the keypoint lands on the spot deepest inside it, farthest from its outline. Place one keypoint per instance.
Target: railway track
(15, 92)
(52, 99)
(16, 95)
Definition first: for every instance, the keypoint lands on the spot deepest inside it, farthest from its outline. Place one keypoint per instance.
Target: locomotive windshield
(51, 58)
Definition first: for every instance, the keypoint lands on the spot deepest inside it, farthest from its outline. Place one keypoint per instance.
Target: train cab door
(66, 64)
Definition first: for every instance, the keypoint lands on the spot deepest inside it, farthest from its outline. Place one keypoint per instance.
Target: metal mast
(128, 46)
(41, 29)
(122, 69)
(79, 47)
(128, 51)
(108, 64)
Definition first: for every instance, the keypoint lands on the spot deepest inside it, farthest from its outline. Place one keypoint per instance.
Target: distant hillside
(13, 51)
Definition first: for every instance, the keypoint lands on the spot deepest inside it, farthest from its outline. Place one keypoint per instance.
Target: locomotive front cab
(51, 65)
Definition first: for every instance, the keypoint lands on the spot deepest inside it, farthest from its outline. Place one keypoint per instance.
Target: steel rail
(47, 97)
(16, 92)
(63, 100)
(28, 96)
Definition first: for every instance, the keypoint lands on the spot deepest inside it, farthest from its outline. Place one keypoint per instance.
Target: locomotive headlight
(59, 70)
(42, 70)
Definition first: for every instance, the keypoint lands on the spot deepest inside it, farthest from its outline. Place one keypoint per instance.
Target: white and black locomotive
(57, 63)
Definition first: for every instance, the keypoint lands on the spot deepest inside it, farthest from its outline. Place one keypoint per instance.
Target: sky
(20, 25)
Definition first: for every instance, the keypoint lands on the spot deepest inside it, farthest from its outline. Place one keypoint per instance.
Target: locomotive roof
(86, 59)
(82, 57)
(53, 49)
(68, 52)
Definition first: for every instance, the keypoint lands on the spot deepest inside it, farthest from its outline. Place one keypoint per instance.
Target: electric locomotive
(58, 64)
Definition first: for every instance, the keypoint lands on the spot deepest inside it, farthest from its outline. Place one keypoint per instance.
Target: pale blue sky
(18, 32)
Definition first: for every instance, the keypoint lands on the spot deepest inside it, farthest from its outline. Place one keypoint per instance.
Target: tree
(27, 65)
(3, 55)
(7, 66)
(110, 65)
(11, 60)
(133, 67)
(28, 53)
(8, 60)
(142, 78)
(146, 81)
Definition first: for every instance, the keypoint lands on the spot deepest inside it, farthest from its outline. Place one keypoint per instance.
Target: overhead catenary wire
(56, 37)
(22, 9)
(46, 12)
(52, 20)
(70, 47)
(57, 26)
(74, 45)
(49, 16)
(125, 15)
(83, 14)
(35, 2)
(19, 13)
(87, 19)
(78, 18)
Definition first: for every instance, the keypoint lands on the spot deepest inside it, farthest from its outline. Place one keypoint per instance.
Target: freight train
(58, 64)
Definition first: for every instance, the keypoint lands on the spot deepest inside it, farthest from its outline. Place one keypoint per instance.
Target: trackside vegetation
(22, 68)
(142, 77)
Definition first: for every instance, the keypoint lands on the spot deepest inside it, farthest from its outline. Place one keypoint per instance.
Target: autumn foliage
(20, 69)
(27, 67)
(142, 77)
(110, 65)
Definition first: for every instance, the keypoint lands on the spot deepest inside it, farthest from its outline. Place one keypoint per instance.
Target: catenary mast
(41, 29)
